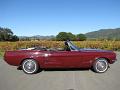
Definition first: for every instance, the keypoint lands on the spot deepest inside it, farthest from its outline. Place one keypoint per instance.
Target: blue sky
(49, 17)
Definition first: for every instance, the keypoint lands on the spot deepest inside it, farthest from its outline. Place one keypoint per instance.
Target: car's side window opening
(72, 47)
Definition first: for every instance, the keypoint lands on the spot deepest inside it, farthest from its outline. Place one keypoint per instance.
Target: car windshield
(73, 47)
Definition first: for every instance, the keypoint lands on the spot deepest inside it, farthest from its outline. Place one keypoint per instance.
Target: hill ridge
(104, 33)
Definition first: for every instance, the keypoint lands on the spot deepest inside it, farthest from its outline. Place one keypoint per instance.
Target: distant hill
(37, 37)
(104, 34)
(43, 37)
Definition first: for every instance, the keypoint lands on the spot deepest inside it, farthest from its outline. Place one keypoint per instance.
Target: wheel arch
(104, 58)
(28, 58)
(96, 58)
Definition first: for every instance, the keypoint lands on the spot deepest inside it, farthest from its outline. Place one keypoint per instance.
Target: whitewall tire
(100, 65)
(30, 66)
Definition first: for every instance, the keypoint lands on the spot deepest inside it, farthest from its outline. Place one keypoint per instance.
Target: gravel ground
(13, 79)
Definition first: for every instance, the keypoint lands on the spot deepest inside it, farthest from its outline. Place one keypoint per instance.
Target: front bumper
(113, 61)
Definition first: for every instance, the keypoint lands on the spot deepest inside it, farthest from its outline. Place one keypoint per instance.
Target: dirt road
(13, 79)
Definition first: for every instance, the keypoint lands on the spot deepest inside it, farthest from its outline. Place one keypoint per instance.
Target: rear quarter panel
(16, 57)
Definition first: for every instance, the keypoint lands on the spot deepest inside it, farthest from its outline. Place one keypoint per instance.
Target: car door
(73, 59)
(54, 59)
(63, 59)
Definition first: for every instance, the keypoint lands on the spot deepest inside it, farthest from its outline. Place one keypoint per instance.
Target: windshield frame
(72, 46)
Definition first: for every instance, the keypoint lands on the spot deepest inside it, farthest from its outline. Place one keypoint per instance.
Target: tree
(6, 34)
(15, 38)
(71, 36)
(81, 37)
(63, 36)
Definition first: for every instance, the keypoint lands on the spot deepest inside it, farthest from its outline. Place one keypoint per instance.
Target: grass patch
(1, 54)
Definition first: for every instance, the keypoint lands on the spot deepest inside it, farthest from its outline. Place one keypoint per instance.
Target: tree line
(6, 34)
(62, 36)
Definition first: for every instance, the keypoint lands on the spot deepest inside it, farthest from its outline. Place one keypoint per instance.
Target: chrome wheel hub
(101, 65)
(29, 66)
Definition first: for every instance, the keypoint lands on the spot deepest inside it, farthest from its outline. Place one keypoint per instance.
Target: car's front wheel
(30, 66)
(100, 65)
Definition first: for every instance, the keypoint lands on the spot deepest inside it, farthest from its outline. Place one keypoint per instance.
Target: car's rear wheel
(30, 66)
(100, 65)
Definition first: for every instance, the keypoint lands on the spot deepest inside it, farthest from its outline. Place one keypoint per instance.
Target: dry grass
(108, 45)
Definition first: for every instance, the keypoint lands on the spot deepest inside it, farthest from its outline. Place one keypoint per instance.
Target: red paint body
(59, 59)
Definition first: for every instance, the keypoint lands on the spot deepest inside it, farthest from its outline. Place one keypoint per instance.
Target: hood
(94, 50)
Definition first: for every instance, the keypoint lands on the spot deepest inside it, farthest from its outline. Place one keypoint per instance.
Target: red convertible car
(32, 59)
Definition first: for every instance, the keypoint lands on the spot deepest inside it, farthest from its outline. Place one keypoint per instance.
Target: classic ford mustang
(32, 59)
